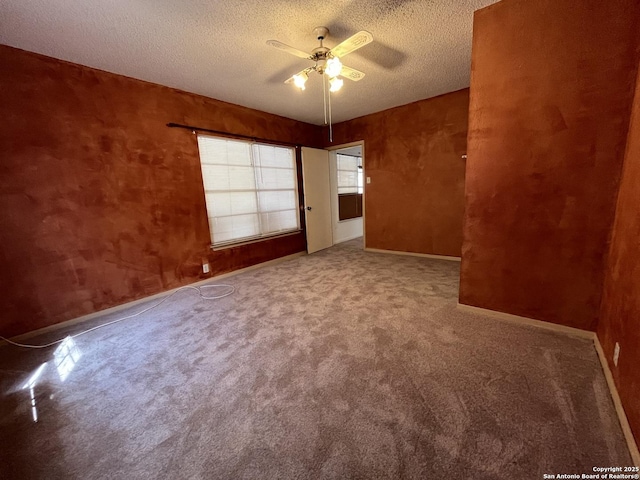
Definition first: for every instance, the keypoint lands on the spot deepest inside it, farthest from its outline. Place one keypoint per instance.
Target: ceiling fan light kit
(335, 84)
(333, 67)
(300, 79)
(327, 64)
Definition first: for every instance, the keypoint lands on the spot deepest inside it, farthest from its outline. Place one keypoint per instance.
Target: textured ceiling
(218, 49)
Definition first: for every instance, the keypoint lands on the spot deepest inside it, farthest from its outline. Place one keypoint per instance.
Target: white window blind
(250, 189)
(349, 174)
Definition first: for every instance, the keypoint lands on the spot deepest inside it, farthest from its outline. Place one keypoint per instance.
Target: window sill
(226, 246)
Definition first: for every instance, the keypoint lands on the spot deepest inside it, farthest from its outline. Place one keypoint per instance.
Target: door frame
(332, 156)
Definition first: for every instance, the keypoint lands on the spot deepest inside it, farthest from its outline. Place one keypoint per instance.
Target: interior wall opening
(347, 191)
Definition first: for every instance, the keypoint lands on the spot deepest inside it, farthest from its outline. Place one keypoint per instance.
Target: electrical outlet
(205, 268)
(616, 354)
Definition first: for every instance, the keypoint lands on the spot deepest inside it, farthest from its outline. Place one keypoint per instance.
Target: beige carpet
(341, 364)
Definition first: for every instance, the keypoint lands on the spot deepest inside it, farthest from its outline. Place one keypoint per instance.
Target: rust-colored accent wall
(620, 314)
(413, 155)
(551, 89)
(100, 202)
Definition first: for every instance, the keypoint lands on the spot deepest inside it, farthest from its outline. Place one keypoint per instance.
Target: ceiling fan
(327, 60)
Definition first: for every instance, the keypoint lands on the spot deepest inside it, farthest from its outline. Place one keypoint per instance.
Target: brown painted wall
(551, 89)
(413, 155)
(620, 314)
(100, 202)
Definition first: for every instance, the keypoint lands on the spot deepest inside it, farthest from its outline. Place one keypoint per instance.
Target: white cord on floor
(197, 289)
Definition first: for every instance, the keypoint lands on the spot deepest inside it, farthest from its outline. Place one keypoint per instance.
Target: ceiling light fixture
(300, 79)
(336, 84)
(334, 67)
(327, 61)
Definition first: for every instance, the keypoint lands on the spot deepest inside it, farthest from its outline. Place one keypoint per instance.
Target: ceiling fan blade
(288, 49)
(352, 43)
(351, 73)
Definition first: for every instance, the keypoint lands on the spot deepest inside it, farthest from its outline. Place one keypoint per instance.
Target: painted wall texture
(620, 314)
(551, 89)
(100, 202)
(413, 155)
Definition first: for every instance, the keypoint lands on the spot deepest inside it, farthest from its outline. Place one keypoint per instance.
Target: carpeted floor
(341, 364)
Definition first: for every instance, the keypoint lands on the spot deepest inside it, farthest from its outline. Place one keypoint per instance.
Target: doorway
(347, 184)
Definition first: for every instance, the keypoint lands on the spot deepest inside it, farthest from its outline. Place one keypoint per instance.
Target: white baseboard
(576, 332)
(346, 239)
(124, 306)
(617, 402)
(412, 254)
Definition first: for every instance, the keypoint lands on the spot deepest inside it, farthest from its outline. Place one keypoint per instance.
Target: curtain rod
(235, 135)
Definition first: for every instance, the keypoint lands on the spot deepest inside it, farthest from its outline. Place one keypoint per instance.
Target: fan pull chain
(330, 125)
(324, 97)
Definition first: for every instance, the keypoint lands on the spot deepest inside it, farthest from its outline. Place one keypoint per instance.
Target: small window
(250, 189)
(350, 186)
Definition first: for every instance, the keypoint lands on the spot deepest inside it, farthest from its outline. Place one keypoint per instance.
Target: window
(350, 186)
(250, 189)
(349, 174)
